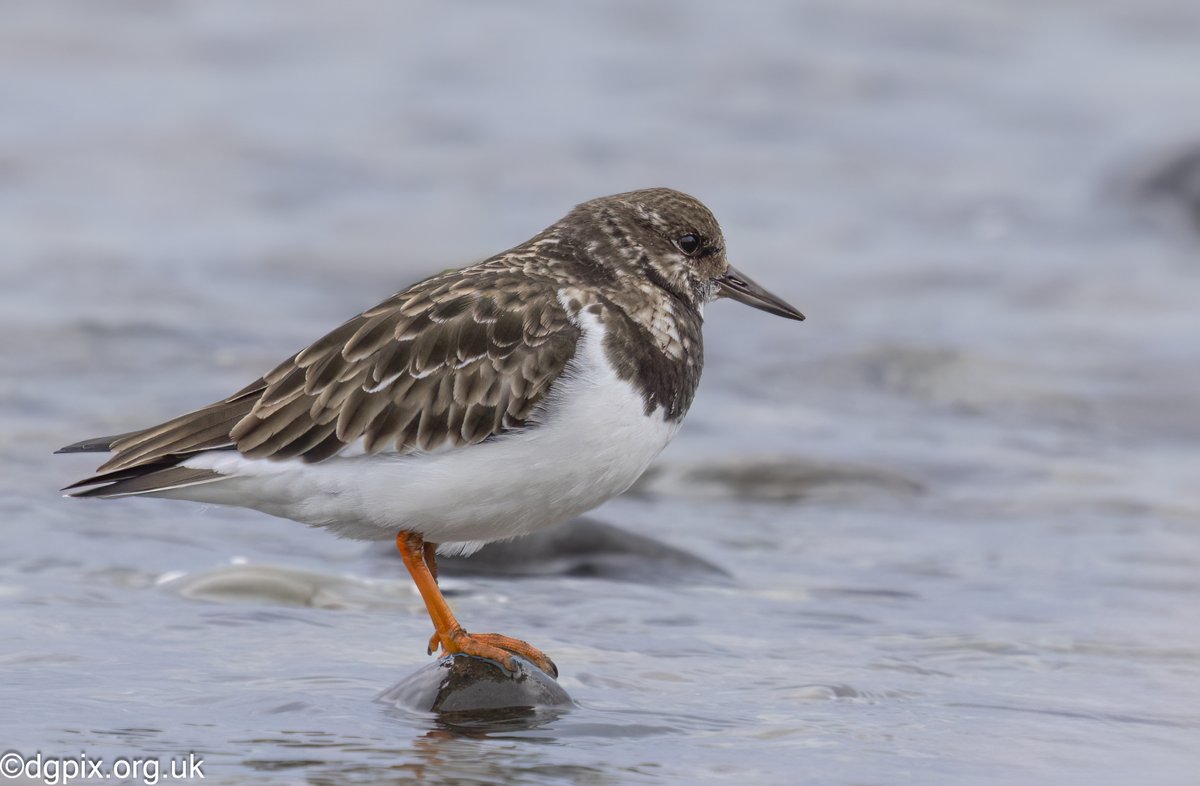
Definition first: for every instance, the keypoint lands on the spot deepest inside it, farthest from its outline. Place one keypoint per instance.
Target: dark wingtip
(93, 445)
(86, 446)
(144, 479)
(98, 491)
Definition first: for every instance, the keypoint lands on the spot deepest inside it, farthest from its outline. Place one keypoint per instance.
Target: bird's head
(671, 239)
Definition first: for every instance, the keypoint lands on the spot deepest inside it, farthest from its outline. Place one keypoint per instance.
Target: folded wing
(452, 361)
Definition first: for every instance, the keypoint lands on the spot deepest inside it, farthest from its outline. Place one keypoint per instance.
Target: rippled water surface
(959, 504)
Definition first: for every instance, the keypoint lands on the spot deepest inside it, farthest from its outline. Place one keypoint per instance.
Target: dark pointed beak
(737, 286)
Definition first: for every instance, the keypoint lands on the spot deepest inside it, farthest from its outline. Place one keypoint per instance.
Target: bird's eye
(689, 243)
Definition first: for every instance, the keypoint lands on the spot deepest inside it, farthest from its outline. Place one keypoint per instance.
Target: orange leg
(431, 558)
(419, 558)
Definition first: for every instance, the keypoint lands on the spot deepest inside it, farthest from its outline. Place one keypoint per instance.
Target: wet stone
(1172, 184)
(786, 479)
(465, 688)
(268, 584)
(586, 548)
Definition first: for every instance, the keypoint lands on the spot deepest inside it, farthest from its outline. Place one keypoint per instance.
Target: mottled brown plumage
(469, 354)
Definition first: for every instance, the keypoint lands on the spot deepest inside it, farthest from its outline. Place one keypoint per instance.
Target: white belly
(591, 442)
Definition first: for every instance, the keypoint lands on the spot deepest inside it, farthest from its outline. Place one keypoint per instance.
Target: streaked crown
(668, 237)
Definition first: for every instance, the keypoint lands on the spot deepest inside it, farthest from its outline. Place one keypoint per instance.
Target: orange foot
(492, 646)
(421, 560)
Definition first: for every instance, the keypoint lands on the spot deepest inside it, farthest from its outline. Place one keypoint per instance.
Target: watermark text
(61, 770)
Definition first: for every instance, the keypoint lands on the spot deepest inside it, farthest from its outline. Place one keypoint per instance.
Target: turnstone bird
(477, 405)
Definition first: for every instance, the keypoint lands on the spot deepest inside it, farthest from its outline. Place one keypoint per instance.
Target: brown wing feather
(204, 429)
(453, 361)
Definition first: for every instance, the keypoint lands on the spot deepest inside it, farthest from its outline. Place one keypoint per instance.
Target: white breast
(590, 441)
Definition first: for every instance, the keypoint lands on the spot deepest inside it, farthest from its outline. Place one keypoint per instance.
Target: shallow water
(959, 503)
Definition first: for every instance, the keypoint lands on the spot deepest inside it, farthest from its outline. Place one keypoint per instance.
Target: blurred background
(958, 506)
